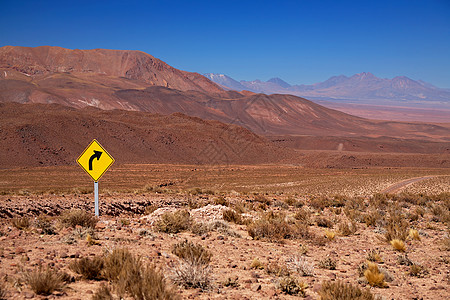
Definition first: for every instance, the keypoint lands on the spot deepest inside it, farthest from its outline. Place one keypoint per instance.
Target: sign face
(95, 160)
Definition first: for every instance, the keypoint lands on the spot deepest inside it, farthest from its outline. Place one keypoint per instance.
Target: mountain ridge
(363, 87)
(79, 79)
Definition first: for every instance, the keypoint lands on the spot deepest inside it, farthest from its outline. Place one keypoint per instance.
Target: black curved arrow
(96, 155)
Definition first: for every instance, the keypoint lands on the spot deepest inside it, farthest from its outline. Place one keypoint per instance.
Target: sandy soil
(124, 223)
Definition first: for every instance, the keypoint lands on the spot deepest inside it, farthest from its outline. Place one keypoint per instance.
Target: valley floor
(263, 225)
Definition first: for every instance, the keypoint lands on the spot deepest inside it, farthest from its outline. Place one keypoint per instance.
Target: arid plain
(214, 194)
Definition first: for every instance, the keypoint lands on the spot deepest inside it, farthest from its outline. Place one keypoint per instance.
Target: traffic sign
(95, 160)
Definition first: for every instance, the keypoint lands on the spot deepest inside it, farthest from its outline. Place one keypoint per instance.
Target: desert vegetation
(200, 242)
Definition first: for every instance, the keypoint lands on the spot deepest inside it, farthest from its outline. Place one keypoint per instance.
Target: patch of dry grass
(78, 217)
(88, 268)
(398, 245)
(338, 290)
(103, 293)
(195, 253)
(21, 223)
(293, 286)
(44, 281)
(174, 222)
(373, 275)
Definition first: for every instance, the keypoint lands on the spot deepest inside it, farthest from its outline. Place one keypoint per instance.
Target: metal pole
(96, 197)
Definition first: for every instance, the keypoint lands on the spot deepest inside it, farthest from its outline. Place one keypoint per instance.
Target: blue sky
(298, 41)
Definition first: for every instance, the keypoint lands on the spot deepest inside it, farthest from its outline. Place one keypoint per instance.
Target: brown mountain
(132, 80)
(133, 65)
(50, 134)
(44, 135)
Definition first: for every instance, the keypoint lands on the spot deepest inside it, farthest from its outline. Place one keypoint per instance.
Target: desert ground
(226, 232)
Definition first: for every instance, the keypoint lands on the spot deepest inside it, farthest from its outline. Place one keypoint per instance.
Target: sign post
(95, 160)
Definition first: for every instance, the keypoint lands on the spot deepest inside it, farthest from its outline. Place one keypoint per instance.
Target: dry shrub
(328, 263)
(324, 222)
(221, 201)
(414, 234)
(192, 270)
(78, 217)
(149, 209)
(404, 260)
(322, 202)
(373, 275)
(338, 290)
(230, 215)
(262, 199)
(300, 265)
(274, 228)
(440, 212)
(44, 282)
(44, 223)
(293, 286)
(191, 275)
(379, 200)
(148, 283)
(303, 215)
(281, 204)
(396, 225)
(88, 268)
(115, 262)
(275, 269)
(374, 256)
(345, 229)
(352, 214)
(103, 293)
(129, 275)
(256, 264)
(446, 243)
(290, 201)
(371, 217)
(231, 282)
(174, 222)
(417, 270)
(330, 235)
(270, 227)
(21, 223)
(3, 291)
(191, 252)
(398, 245)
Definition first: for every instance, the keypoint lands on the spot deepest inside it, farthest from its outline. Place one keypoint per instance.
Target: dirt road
(397, 186)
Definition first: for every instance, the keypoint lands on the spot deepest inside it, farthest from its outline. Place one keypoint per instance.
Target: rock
(19, 250)
(271, 293)
(28, 295)
(256, 288)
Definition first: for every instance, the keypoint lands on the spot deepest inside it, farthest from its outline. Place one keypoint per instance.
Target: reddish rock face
(134, 65)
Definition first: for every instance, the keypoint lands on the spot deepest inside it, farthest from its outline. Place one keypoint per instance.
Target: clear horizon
(301, 42)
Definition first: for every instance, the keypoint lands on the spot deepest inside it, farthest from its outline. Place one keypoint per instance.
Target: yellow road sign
(95, 160)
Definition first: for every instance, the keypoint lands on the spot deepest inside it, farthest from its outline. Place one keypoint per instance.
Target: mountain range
(359, 88)
(65, 97)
